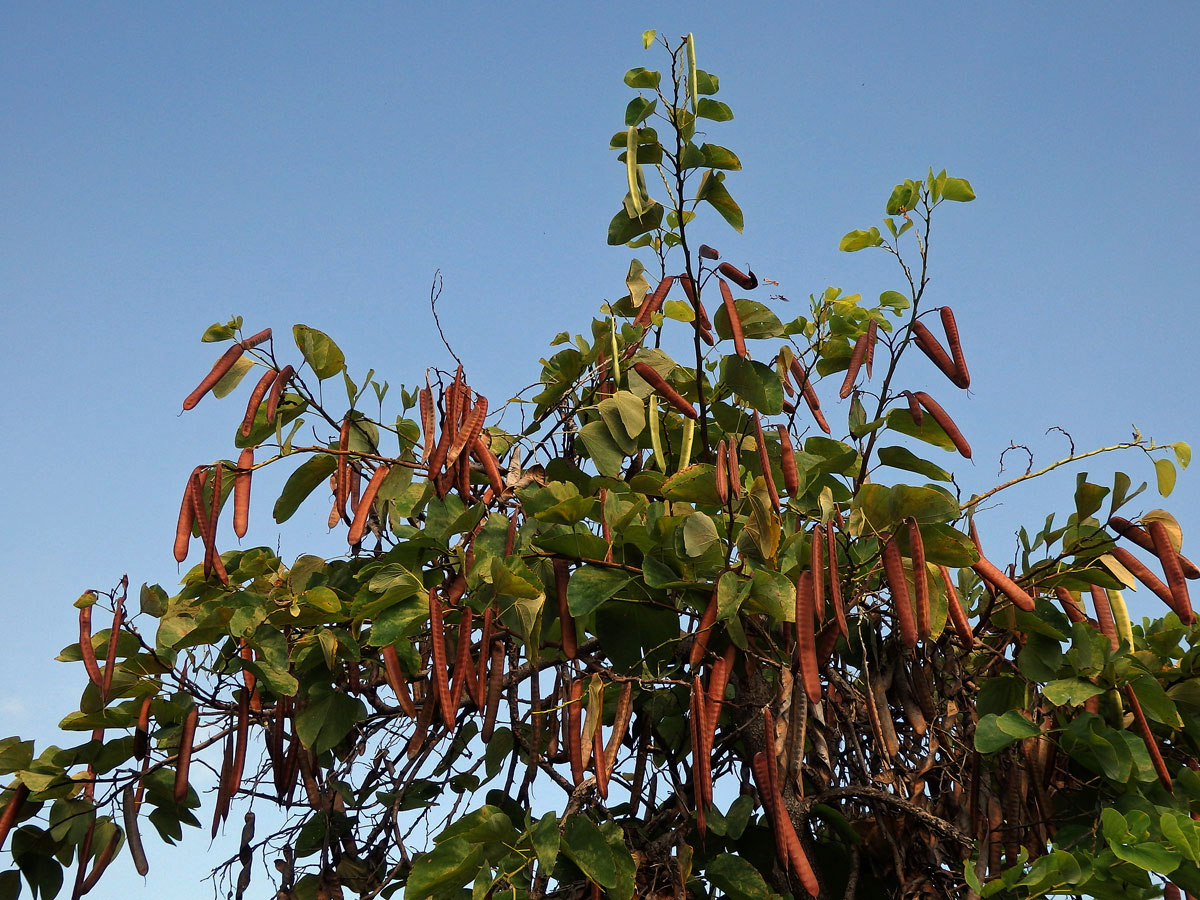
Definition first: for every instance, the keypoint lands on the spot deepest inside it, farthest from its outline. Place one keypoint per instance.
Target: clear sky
(164, 166)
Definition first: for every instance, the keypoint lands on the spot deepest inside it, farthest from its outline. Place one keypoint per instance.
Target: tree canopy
(703, 613)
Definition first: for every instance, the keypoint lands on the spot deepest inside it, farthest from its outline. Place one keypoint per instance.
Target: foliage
(780, 654)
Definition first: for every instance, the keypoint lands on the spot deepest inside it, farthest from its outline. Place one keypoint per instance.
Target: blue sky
(163, 167)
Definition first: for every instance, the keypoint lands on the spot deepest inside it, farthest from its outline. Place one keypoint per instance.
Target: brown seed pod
(856, 360)
(745, 282)
(652, 303)
(562, 578)
(428, 426)
(1070, 605)
(396, 680)
(85, 647)
(761, 768)
(914, 408)
(701, 749)
(241, 492)
(495, 689)
(958, 615)
(1001, 582)
(490, 466)
(962, 377)
(806, 637)
(809, 394)
(707, 252)
(704, 631)
(462, 658)
(1104, 616)
(893, 570)
(1141, 537)
(187, 516)
(141, 733)
(364, 505)
(281, 381)
(439, 674)
(240, 741)
(929, 345)
(787, 461)
(735, 321)
(835, 582)
(479, 684)
(103, 858)
(133, 837)
(12, 809)
(947, 424)
(722, 474)
(1138, 569)
(110, 659)
(920, 581)
(620, 724)
(186, 739)
(1172, 569)
(872, 339)
(256, 398)
(672, 396)
(734, 467)
(599, 764)
(219, 370)
(1160, 767)
(471, 429)
(575, 730)
(718, 680)
(764, 462)
(212, 559)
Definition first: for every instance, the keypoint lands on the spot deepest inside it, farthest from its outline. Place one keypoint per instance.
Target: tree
(666, 632)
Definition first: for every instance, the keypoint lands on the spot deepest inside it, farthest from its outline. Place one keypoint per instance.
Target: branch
(922, 815)
(1124, 445)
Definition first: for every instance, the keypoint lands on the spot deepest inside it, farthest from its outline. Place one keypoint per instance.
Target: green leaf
(713, 191)
(706, 82)
(859, 240)
(755, 383)
(319, 351)
(903, 458)
(757, 321)
(1182, 832)
(153, 600)
(642, 78)
(1155, 702)
(638, 110)
(718, 157)
(996, 732)
(647, 40)
(624, 228)
(602, 448)
(326, 721)
(1070, 691)
(444, 871)
(544, 837)
(624, 413)
(231, 379)
(713, 109)
(1148, 856)
(1165, 470)
(218, 332)
(928, 431)
(695, 484)
(586, 847)
(699, 534)
(958, 189)
(1183, 453)
(403, 619)
(592, 585)
(737, 878)
(302, 482)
